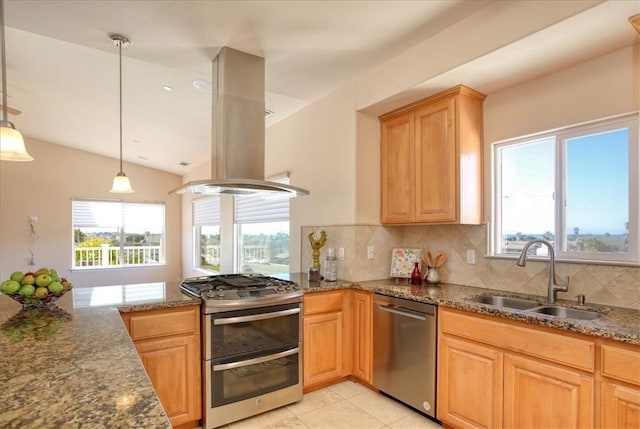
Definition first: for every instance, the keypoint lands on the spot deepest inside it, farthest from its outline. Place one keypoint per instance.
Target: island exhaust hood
(237, 130)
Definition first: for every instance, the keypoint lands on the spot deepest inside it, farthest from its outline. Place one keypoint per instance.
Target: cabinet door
(538, 394)
(435, 156)
(397, 161)
(362, 335)
(173, 367)
(469, 384)
(322, 347)
(620, 406)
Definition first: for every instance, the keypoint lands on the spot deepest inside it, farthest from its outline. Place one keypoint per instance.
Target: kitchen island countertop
(73, 364)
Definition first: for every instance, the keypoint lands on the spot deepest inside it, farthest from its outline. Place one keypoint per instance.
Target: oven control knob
(210, 294)
(220, 293)
(280, 288)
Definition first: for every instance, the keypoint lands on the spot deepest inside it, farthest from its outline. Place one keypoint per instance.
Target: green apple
(43, 280)
(27, 290)
(10, 287)
(28, 279)
(54, 275)
(17, 276)
(55, 288)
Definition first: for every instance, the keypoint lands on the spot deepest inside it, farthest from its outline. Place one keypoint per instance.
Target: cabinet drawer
(322, 302)
(151, 324)
(559, 348)
(620, 363)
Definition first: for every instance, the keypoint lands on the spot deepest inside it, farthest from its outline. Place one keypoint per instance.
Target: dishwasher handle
(403, 312)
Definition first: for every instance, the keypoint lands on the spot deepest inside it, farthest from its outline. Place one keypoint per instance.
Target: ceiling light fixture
(121, 184)
(11, 142)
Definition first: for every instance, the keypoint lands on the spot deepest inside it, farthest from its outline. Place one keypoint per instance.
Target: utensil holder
(433, 275)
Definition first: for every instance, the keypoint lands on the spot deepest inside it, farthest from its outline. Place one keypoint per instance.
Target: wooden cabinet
(168, 342)
(362, 335)
(469, 384)
(496, 373)
(431, 160)
(620, 385)
(326, 348)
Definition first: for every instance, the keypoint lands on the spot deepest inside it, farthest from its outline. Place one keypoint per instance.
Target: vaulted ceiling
(62, 68)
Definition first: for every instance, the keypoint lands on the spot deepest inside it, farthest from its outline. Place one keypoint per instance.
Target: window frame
(560, 137)
(121, 231)
(197, 229)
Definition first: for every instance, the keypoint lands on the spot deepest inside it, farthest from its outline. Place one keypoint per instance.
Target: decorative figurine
(316, 245)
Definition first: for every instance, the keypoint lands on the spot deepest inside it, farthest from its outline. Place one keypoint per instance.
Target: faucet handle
(565, 286)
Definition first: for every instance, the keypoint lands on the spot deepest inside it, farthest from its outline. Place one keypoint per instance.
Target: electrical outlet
(471, 256)
(341, 253)
(370, 252)
(33, 218)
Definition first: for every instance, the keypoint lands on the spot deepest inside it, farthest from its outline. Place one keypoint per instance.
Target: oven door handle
(262, 316)
(255, 361)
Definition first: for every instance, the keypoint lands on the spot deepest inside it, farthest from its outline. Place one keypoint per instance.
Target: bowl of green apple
(35, 288)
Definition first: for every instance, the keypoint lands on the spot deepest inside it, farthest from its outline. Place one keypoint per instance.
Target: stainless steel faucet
(553, 287)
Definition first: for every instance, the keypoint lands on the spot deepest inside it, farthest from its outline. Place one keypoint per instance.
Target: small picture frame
(403, 260)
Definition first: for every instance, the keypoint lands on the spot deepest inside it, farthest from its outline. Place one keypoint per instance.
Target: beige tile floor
(345, 405)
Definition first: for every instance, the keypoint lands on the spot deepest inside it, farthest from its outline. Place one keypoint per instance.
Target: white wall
(45, 188)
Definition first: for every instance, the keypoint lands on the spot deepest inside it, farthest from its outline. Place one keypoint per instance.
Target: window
(117, 234)
(206, 233)
(577, 187)
(262, 233)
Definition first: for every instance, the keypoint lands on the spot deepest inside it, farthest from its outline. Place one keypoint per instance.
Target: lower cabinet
(362, 335)
(470, 386)
(494, 373)
(539, 394)
(168, 342)
(324, 338)
(620, 385)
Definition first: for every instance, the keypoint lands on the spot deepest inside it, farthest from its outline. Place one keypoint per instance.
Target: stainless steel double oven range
(252, 344)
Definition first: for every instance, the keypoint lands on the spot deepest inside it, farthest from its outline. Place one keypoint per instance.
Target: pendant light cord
(120, 55)
(4, 68)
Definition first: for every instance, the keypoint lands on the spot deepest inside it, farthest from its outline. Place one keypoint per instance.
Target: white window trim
(632, 121)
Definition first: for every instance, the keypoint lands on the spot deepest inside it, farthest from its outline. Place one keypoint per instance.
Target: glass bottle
(330, 266)
(416, 276)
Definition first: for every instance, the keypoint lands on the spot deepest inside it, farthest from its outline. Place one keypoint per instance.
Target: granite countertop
(74, 365)
(617, 323)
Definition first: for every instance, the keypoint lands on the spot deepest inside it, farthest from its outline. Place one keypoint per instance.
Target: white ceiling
(62, 68)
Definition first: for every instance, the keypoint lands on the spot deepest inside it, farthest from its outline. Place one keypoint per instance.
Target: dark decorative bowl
(32, 301)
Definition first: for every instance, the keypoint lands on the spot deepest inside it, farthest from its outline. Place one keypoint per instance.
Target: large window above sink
(576, 187)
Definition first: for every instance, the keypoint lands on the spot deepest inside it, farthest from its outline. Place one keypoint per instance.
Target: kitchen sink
(566, 313)
(531, 306)
(505, 302)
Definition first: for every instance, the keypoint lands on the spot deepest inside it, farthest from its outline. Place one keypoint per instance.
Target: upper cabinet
(431, 160)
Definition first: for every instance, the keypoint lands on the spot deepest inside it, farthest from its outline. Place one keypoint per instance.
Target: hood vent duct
(237, 130)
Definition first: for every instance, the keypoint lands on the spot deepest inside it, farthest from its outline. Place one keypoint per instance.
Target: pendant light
(11, 141)
(121, 184)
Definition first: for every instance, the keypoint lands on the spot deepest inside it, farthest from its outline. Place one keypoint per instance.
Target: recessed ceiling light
(184, 163)
(202, 85)
(167, 88)
(143, 158)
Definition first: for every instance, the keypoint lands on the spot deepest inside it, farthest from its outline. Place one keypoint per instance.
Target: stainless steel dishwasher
(404, 351)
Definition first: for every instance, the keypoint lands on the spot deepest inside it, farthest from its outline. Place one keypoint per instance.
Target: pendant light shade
(11, 143)
(121, 183)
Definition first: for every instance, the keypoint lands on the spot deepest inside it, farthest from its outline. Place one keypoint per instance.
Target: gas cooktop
(240, 289)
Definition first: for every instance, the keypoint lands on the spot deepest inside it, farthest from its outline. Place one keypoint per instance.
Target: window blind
(206, 212)
(105, 214)
(257, 209)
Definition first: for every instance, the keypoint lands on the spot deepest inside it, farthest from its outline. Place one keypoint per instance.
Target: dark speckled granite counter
(620, 324)
(74, 365)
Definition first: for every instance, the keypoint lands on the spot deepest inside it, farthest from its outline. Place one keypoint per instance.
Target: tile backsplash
(602, 284)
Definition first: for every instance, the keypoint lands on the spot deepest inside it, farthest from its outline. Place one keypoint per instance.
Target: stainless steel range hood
(237, 164)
